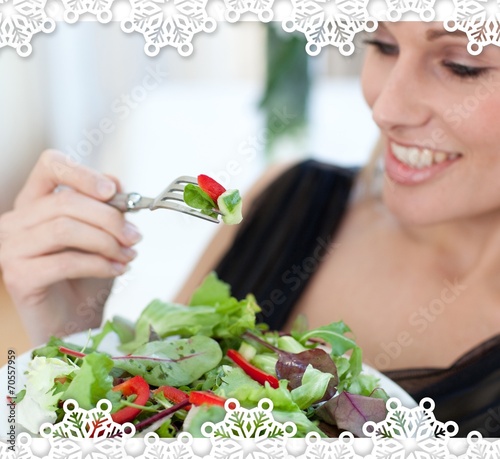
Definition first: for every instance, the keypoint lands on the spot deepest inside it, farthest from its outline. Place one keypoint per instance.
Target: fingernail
(129, 252)
(131, 232)
(119, 268)
(106, 188)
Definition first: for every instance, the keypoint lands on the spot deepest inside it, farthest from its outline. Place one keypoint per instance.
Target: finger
(63, 233)
(117, 182)
(54, 169)
(74, 205)
(53, 268)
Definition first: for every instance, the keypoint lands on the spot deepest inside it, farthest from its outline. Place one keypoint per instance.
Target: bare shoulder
(225, 236)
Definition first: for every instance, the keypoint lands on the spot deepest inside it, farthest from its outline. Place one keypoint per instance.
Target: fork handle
(126, 202)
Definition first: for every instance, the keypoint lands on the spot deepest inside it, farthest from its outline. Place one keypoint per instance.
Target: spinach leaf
(172, 363)
(195, 197)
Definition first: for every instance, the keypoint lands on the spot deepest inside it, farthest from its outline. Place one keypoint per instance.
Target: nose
(401, 101)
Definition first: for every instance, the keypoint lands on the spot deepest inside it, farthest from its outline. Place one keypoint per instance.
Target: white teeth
(413, 157)
(401, 152)
(420, 158)
(426, 158)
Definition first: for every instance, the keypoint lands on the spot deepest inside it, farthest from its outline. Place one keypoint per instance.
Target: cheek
(483, 135)
(470, 118)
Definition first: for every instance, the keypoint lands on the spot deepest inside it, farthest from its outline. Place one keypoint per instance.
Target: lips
(414, 165)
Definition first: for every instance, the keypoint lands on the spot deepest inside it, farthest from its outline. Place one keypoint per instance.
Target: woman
(411, 267)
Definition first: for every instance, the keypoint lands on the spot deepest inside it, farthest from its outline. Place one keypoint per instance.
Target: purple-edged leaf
(293, 366)
(350, 412)
(329, 430)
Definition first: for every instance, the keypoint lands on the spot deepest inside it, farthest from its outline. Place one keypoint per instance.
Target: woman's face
(438, 108)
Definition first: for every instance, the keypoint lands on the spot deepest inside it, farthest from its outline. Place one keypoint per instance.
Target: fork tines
(173, 196)
(176, 189)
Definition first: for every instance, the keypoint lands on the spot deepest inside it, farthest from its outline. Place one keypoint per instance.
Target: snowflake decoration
(82, 424)
(322, 28)
(479, 448)
(262, 8)
(87, 433)
(248, 432)
(481, 26)
(176, 29)
(424, 8)
(20, 20)
(343, 448)
(22, 449)
(412, 430)
(161, 449)
(73, 9)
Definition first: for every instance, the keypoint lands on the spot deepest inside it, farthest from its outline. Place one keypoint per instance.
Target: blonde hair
(369, 179)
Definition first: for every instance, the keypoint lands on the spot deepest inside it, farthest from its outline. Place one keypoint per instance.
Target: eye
(465, 71)
(386, 49)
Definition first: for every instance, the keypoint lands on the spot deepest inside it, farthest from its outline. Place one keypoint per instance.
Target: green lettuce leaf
(223, 316)
(333, 334)
(92, 382)
(51, 348)
(351, 377)
(237, 384)
(119, 325)
(39, 404)
(173, 363)
(312, 389)
(211, 292)
(199, 415)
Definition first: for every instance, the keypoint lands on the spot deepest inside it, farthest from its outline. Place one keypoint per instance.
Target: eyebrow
(434, 34)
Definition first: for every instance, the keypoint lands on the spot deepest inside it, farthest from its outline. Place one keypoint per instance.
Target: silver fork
(171, 198)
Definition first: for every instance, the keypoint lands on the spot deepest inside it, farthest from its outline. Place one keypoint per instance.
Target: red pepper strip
(210, 186)
(173, 394)
(255, 373)
(71, 352)
(201, 397)
(136, 385)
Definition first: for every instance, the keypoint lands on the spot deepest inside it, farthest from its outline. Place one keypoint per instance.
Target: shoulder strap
(284, 237)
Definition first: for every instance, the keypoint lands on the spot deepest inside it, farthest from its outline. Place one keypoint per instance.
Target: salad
(179, 364)
(212, 199)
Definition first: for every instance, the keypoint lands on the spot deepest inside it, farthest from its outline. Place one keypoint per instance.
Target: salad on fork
(201, 197)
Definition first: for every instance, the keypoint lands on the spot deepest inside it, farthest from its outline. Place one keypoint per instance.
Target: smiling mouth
(420, 158)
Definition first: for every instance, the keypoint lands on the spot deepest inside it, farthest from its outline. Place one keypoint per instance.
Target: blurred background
(248, 96)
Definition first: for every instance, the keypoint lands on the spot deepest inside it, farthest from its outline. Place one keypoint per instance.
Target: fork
(171, 198)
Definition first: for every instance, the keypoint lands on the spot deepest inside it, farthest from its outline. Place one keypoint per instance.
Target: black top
(278, 249)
